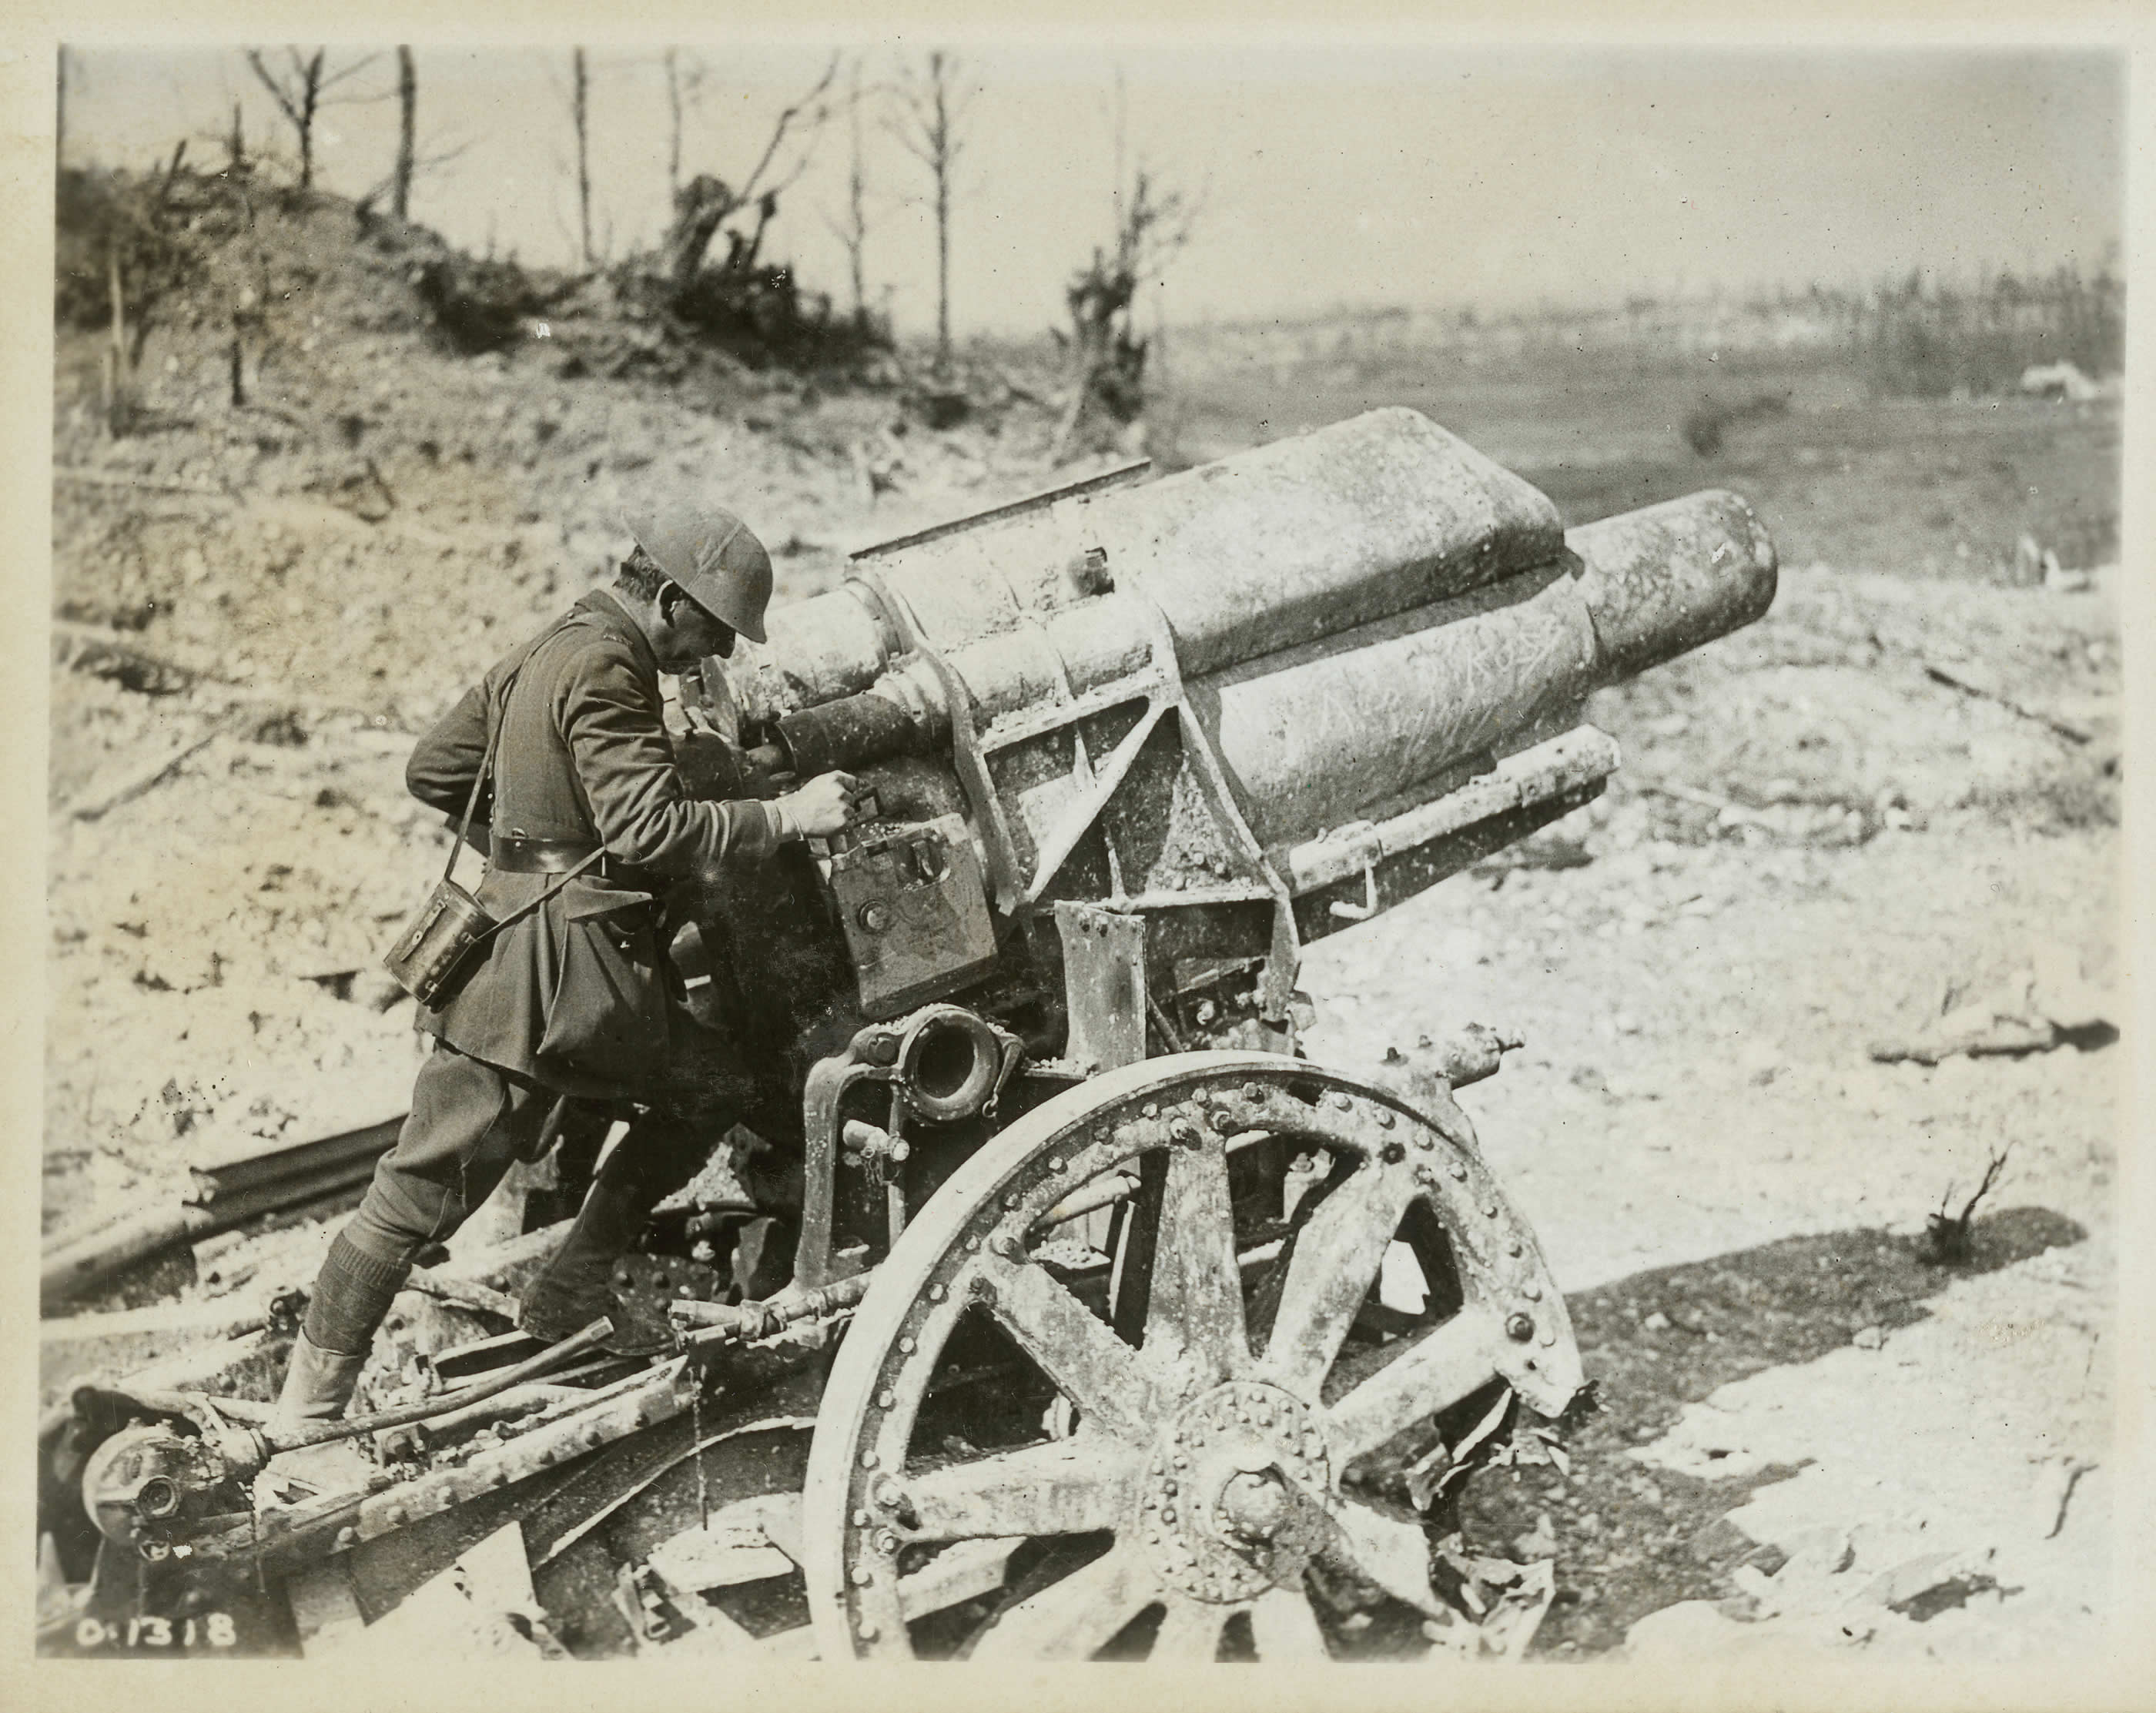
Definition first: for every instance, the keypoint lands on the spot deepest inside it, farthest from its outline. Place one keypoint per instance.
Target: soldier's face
(690, 634)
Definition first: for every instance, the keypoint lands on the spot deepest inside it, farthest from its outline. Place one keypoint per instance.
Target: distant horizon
(1334, 184)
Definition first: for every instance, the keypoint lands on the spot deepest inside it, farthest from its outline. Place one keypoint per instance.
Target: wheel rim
(1209, 1439)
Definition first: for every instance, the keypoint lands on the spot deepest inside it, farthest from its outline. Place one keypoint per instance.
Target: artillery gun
(1111, 1323)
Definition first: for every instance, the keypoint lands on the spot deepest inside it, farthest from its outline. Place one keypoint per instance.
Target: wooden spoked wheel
(1211, 1376)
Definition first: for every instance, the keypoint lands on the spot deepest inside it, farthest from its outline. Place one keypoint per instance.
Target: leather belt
(544, 856)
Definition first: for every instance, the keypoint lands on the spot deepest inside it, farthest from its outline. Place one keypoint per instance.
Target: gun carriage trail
(1673, 940)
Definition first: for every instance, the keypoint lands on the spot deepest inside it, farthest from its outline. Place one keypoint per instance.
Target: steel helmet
(711, 554)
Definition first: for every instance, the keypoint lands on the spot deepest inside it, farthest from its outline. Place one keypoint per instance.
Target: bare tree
(684, 84)
(929, 130)
(579, 110)
(300, 89)
(853, 232)
(1108, 354)
(707, 202)
(407, 111)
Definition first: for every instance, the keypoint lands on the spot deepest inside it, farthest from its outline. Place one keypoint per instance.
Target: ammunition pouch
(435, 951)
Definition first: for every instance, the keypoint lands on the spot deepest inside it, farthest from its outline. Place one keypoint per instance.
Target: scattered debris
(1539, 1542)
(2060, 380)
(1971, 683)
(2046, 1004)
(324, 1171)
(99, 798)
(2056, 1477)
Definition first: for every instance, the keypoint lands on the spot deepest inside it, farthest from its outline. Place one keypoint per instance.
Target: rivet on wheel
(1183, 1131)
(866, 1629)
(1011, 1200)
(869, 1459)
(886, 1542)
(1519, 1328)
(1512, 1248)
(1168, 1513)
(972, 1242)
(1425, 1140)
(1168, 1488)
(907, 1346)
(1549, 1336)
(1490, 1210)
(885, 1398)
(936, 1293)
(862, 1518)
(1056, 1163)
(1532, 1293)
(1004, 1244)
(1459, 1172)
(1253, 1091)
(347, 1536)
(1385, 1119)
(394, 1516)
(863, 1575)
(1151, 1108)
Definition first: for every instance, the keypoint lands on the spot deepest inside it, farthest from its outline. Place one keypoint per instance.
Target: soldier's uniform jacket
(573, 994)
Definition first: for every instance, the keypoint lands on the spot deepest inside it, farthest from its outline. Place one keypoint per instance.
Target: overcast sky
(1408, 176)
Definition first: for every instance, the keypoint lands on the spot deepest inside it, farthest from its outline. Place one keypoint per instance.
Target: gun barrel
(1362, 618)
(1348, 726)
(1245, 556)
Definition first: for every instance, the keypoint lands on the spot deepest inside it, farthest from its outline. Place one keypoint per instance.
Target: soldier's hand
(824, 806)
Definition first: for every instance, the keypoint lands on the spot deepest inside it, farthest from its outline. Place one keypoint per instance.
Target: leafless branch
(269, 82)
(811, 104)
(350, 70)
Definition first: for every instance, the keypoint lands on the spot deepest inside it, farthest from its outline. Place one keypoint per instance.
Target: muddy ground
(1810, 1435)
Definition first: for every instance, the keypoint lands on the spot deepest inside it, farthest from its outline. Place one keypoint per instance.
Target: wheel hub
(1232, 1503)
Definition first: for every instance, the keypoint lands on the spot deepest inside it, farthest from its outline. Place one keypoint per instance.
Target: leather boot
(318, 1384)
(572, 1289)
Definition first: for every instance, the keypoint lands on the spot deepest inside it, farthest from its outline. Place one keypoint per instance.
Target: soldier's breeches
(470, 1122)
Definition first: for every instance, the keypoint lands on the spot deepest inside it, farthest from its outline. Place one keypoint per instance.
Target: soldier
(584, 821)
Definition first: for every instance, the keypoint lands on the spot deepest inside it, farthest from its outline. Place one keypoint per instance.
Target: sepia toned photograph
(1261, 851)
